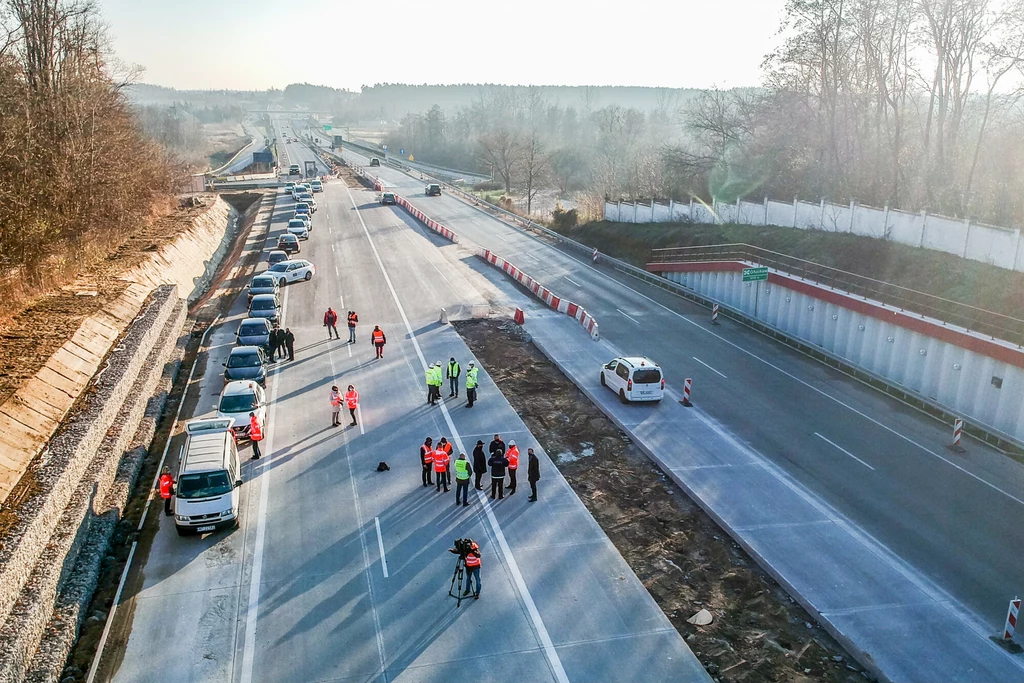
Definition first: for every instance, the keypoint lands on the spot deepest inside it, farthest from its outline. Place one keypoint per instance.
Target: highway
(879, 463)
(340, 572)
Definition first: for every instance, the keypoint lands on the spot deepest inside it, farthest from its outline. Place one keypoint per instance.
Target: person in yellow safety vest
(335, 406)
(441, 460)
(463, 471)
(352, 402)
(438, 379)
(471, 384)
(453, 371)
(513, 465)
(430, 384)
(427, 460)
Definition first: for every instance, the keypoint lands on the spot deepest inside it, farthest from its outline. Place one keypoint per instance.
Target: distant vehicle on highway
(374, 161)
(261, 284)
(634, 378)
(299, 189)
(294, 170)
(388, 198)
(237, 400)
(206, 489)
(246, 362)
(288, 243)
(276, 256)
(255, 331)
(317, 186)
(288, 187)
(432, 190)
(307, 198)
(305, 218)
(292, 271)
(303, 207)
(265, 306)
(297, 227)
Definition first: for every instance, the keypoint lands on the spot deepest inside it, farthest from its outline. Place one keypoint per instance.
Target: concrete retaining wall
(30, 417)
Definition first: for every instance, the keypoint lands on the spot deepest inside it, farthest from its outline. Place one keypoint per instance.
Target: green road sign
(327, 126)
(755, 274)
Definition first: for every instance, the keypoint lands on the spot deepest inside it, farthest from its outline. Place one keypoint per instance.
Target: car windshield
(647, 376)
(204, 485)
(262, 282)
(296, 223)
(263, 305)
(286, 239)
(250, 329)
(243, 360)
(279, 267)
(237, 403)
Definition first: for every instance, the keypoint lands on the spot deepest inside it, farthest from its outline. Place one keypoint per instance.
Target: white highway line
(554, 661)
(332, 248)
(709, 367)
(256, 576)
(837, 446)
(805, 383)
(566, 277)
(380, 545)
(628, 316)
(337, 272)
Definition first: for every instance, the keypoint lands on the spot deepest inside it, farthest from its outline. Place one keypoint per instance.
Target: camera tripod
(458, 578)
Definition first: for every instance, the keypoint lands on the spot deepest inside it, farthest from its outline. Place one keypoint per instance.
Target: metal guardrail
(995, 325)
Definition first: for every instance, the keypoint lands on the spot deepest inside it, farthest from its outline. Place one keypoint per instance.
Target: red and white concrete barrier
(1011, 619)
(687, 383)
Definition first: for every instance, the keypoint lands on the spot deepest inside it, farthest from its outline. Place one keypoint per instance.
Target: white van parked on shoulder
(634, 378)
(206, 490)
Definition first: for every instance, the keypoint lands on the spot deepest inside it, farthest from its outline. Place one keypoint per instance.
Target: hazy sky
(256, 44)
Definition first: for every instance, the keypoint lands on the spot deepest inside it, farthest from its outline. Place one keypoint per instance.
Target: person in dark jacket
(427, 461)
(498, 463)
(275, 342)
(496, 444)
(479, 464)
(289, 343)
(532, 474)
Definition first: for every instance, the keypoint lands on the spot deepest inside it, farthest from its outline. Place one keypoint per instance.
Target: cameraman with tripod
(469, 557)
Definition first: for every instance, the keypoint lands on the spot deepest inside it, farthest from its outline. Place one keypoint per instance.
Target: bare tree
(502, 151)
(535, 167)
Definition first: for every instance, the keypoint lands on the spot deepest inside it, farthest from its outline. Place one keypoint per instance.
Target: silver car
(265, 306)
(263, 284)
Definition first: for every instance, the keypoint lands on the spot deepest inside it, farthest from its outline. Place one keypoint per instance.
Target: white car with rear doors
(292, 271)
(206, 489)
(634, 378)
(237, 400)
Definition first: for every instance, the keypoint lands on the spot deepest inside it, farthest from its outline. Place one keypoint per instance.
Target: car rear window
(262, 282)
(204, 485)
(646, 376)
(250, 329)
(243, 360)
(263, 305)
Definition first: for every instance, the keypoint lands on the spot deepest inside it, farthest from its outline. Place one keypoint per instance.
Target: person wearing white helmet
(471, 383)
(513, 465)
(430, 384)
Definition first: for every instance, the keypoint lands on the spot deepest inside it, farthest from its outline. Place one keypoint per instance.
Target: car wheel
(622, 396)
(309, 276)
(603, 383)
(282, 282)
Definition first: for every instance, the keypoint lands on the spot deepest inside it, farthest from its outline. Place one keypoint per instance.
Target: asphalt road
(883, 465)
(340, 573)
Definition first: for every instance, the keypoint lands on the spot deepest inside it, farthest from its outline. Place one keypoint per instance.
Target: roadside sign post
(756, 275)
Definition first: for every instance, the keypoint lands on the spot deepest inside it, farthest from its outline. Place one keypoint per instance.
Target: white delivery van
(634, 378)
(206, 490)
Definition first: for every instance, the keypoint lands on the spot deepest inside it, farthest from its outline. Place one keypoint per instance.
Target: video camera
(463, 547)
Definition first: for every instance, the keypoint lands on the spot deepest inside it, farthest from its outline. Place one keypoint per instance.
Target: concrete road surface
(340, 572)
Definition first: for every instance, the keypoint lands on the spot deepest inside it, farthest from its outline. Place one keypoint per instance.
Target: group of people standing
(351, 400)
(435, 459)
(437, 373)
(282, 344)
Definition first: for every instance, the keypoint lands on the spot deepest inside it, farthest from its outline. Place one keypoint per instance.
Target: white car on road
(297, 227)
(305, 218)
(634, 378)
(292, 271)
(238, 399)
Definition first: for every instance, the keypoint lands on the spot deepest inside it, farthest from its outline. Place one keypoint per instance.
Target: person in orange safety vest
(255, 435)
(166, 489)
(427, 461)
(442, 458)
(352, 402)
(378, 340)
(513, 465)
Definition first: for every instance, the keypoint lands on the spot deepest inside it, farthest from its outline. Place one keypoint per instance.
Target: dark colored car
(246, 362)
(254, 332)
(276, 256)
(433, 190)
(265, 306)
(374, 161)
(263, 284)
(288, 244)
(388, 198)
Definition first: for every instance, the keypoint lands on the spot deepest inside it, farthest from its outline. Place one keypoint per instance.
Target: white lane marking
(628, 316)
(337, 272)
(256, 576)
(566, 277)
(380, 545)
(501, 238)
(527, 256)
(709, 367)
(538, 624)
(806, 384)
(329, 229)
(332, 248)
(838, 447)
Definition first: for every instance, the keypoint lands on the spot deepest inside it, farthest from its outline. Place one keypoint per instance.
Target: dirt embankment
(686, 561)
(944, 275)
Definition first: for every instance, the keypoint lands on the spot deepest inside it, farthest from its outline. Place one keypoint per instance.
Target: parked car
(288, 187)
(294, 170)
(432, 190)
(265, 306)
(308, 199)
(288, 243)
(297, 227)
(276, 256)
(388, 198)
(302, 207)
(206, 490)
(246, 362)
(634, 378)
(261, 284)
(374, 161)
(237, 400)
(317, 186)
(254, 331)
(306, 218)
(292, 271)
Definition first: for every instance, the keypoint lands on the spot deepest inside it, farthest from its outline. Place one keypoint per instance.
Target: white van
(206, 490)
(634, 378)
